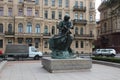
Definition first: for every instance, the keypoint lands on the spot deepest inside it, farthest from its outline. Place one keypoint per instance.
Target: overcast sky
(98, 2)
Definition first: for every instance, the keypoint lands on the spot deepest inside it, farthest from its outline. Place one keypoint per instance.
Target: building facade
(109, 25)
(33, 22)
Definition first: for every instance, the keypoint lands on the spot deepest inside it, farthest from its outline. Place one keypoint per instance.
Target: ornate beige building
(33, 22)
(109, 25)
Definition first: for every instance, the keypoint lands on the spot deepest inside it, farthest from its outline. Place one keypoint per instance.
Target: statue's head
(66, 18)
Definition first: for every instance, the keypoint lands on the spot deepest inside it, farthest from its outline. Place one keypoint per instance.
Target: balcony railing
(79, 21)
(28, 34)
(79, 8)
(84, 36)
(46, 34)
(9, 33)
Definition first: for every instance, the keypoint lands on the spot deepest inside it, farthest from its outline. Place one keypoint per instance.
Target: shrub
(108, 59)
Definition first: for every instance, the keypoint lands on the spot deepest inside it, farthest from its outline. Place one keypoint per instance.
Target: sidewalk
(32, 70)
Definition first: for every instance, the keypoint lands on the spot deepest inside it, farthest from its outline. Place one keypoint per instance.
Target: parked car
(18, 50)
(104, 52)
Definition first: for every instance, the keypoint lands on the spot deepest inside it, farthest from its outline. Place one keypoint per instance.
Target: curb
(2, 64)
(107, 63)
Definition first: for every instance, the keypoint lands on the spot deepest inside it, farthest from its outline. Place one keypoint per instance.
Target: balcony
(92, 9)
(28, 34)
(9, 34)
(79, 21)
(84, 36)
(79, 8)
(46, 35)
(29, 2)
(1, 34)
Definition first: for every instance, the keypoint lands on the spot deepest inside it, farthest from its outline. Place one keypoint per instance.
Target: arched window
(53, 29)
(105, 27)
(91, 18)
(81, 31)
(46, 44)
(20, 27)
(76, 44)
(91, 33)
(9, 27)
(37, 28)
(46, 30)
(76, 30)
(76, 15)
(29, 27)
(1, 28)
(82, 44)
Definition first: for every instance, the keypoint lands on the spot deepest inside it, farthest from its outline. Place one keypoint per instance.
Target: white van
(19, 50)
(104, 52)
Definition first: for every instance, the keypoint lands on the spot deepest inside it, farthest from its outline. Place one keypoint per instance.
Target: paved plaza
(32, 70)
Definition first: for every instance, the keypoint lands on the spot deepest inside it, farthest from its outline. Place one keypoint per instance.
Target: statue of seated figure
(60, 44)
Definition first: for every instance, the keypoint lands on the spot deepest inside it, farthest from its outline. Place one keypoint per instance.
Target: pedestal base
(56, 65)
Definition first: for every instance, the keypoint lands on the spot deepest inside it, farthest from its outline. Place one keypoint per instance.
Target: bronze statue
(60, 44)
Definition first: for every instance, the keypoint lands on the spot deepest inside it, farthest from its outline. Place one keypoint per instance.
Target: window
(81, 31)
(53, 29)
(28, 0)
(46, 2)
(46, 44)
(1, 28)
(46, 30)
(9, 41)
(36, 13)
(1, 11)
(76, 16)
(29, 40)
(29, 27)
(76, 3)
(37, 28)
(53, 2)
(81, 4)
(91, 5)
(20, 40)
(60, 15)
(53, 14)
(76, 30)
(91, 33)
(20, 28)
(60, 3)
(67, 13)
(36, 1)
(20, 1)
(10, 0)
(9, 11)
(82, 44)
(105, 27)
(10, 28)
(81, 16)
(1, 43)
(66, 3)
(29, 11)
(36, 45)
(37, 40)
(46, 14)
(76, 44)
(20, 12)
(91, 18)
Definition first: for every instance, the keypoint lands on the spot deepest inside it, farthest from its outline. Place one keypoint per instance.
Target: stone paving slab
(32, 70)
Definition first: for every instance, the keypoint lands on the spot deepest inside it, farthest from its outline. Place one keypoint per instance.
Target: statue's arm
(60, 25)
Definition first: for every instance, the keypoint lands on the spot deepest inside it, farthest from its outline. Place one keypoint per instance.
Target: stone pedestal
(58, 65)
